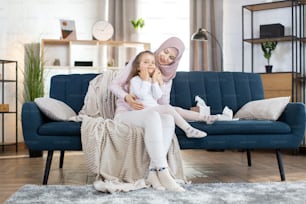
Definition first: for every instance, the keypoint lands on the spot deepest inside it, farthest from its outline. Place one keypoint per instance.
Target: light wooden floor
(200, 166)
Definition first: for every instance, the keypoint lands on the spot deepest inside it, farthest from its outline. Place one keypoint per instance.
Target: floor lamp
(201, 35)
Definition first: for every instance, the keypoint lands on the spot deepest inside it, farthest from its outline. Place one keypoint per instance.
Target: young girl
(158, 128)
(147, 90)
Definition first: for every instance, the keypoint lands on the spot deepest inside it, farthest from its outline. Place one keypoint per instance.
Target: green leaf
(138, 23)
(33, 74)
(267, 48)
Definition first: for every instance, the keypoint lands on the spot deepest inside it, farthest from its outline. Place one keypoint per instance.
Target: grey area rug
(238, 193)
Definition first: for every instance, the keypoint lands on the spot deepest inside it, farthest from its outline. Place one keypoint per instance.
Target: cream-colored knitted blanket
(114, 151)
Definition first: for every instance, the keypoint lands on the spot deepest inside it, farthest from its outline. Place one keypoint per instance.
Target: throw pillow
(54, 109)
(266, 109)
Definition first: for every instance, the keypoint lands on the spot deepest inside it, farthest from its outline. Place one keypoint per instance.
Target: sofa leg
(48, 166)
(35, 153)
(280, 165)
(249, 157)
(61, 159)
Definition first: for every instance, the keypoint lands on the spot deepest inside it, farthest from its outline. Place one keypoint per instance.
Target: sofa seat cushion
(242, 127)
(60, 128)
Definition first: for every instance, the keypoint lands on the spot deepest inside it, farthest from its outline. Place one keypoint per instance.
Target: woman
(158, 128)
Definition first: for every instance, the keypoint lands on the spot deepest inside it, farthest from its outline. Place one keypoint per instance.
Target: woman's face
(167, 56)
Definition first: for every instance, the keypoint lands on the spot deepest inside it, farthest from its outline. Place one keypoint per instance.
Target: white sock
(167, 181)
(153, 180)
(193, 132)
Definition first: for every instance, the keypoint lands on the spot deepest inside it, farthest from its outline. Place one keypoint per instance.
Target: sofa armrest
(31, 119)
(294, 115)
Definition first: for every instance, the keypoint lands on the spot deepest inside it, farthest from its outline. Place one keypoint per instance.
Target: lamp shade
(200, 35)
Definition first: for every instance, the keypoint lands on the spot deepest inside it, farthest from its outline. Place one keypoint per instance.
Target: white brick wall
(31, 20)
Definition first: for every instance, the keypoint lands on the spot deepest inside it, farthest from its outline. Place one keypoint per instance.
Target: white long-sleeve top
(119, 87)
(146, 92)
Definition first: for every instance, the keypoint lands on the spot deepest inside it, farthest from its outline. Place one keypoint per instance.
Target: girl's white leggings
(180, 115)
(158, 132)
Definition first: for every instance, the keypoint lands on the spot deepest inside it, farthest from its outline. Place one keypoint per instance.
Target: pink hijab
(169, 71)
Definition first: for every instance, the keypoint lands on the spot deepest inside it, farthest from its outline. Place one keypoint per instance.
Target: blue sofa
(218, 89)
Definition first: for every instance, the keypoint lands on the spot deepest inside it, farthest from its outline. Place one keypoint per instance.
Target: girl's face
(147, 61)
(167, 56)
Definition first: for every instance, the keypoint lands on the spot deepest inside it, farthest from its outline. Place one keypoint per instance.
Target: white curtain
(207, 14)
(119, 13)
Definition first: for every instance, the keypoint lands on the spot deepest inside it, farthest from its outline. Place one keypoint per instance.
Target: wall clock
(102, 30)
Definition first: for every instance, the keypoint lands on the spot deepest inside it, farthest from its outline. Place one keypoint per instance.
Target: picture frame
(68, 31)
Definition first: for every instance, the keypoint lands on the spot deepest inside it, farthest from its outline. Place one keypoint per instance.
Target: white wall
(28, 21)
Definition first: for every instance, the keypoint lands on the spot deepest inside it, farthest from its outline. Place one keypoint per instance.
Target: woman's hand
(131, 100)
(144, 74)
(157, 77)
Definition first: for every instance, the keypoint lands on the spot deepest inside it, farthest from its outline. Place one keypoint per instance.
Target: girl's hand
(144, 74)
(131, 100)
(157, 77)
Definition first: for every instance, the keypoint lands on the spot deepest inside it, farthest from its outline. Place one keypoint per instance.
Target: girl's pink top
(119, 85)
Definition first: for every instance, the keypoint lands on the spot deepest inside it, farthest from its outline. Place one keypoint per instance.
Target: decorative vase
(134, 36)
(268, 68)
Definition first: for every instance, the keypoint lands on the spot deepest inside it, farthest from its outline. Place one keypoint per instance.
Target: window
(164, 19)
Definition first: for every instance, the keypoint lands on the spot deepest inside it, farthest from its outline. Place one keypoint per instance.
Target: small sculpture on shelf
(267, 48)
(56, 62)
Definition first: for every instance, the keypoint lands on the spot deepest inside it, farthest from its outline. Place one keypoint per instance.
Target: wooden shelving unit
(296, 39)
(272, 5)
(60, 56)
(98, 52)
(9, 84)
(280, 39)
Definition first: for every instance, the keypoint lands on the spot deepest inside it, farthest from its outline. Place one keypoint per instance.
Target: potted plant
(33, 73)
(267, 48)
(138, 23)
(33, 80)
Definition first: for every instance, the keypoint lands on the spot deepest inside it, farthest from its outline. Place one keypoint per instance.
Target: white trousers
(158, 132)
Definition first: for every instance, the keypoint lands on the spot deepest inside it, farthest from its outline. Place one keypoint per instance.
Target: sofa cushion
(54, 109)
(60, 129)
(217, 89)
(71, 89)
(242, 127)
(266, 109)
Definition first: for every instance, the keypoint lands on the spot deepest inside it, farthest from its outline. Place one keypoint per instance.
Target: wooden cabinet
(280, 84)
